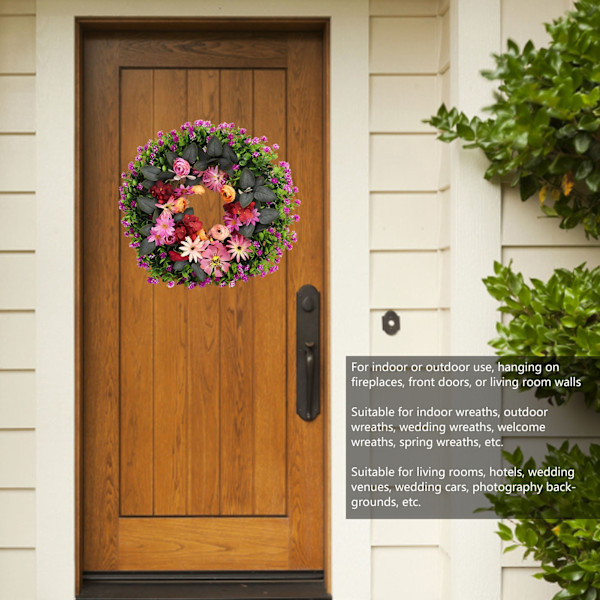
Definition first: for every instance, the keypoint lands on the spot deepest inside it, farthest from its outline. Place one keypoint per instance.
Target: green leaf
(582, 142)
(247, 179)
(171, 156)
(146, 247)
(245, 198)
(593, 181)
(264, 194)
(229, 153)
(146, 204)
(198, 272)
(528, 186)
(268, 215)
(247, 230)
(214, 148)
(151, 172)
(145, 230)
(179, 265)
(584, 169)
(190, 152)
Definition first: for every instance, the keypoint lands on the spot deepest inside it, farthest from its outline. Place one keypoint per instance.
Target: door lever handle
(310, 376)
(308, 380)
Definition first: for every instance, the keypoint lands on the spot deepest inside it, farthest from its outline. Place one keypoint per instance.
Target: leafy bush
(557, 320)
(545, 124)
(568, 548)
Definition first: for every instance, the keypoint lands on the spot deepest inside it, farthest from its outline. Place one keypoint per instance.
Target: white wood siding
(17, 301)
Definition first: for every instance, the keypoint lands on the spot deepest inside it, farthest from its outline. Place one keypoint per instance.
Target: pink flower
(192, 248)
(181, 168)
(219, 232)
(215, 260)
(231, 221)
(213, 179)
(238, 247)
(164, 229)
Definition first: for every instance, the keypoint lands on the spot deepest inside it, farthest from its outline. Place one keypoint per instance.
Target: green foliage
(557, 320)
(568, 548)
(545, 125)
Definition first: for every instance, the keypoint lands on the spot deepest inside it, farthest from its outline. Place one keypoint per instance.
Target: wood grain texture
(205, 324)
(137, 330)
(270, 344)
(209, 433)
(237, 336)
(305, 265)
(100, 262)
(209, 544)
(171, 340)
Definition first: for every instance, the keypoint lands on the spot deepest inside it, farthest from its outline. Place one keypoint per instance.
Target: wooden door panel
(194, 457)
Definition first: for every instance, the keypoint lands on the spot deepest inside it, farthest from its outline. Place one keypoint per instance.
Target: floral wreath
(258, 198)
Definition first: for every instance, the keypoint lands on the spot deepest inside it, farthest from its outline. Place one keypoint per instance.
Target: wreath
(173, 171)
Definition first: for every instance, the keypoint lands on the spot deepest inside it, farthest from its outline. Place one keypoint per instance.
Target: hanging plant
(545, 126)
(173, 171)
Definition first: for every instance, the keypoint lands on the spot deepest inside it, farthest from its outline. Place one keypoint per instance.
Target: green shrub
(545, 125)
(568, 548)
(556, 320)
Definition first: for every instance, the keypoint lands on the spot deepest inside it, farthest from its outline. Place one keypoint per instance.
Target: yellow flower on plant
(543, 194)
(198, 190)
(556, 530)
(567, 183)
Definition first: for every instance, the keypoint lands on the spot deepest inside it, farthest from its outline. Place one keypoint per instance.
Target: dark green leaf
(178, 217)
(224, 163)
(145, 230)
(151, 172)
(264, 194)
(202, 163)
(146, 247)
(171, 156)
(214, 148)
(229, 153)
(528, 186)
(148, 183)
(268, 215)
(582, 142)
(247, 179)
(190, 152)
(260, 227)
(146, 204)
(179, 265)
(198, 272)
(164, 175)
(245, 198)
(247, 230)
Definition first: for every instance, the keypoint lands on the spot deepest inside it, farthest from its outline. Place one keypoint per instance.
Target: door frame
(57, 279)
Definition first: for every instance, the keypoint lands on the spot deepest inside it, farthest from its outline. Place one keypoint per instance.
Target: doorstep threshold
(186, 588)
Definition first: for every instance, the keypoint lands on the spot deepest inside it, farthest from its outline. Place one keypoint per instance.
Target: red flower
(180, 232)
(161, 191)
(175, 256)
(192, 224)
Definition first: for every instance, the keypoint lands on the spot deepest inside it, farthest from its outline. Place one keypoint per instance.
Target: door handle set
(308, 355)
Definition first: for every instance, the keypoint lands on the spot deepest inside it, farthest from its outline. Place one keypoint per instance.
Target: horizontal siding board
(17, 332)
(418, 335)
(406, 573)
(403, 8)
(18, 281)
(18, 238)
(524, 224)
(18, 151)
(405, 532)
(404, 45)
(17, 399)
(17, 104)
(404, 221)
(404, 280)
(520, 583)
(522, 21)
(17, 7)
(17, 574)
(444, 62)
(400, 103)
(445, 274)
(17, 44)
(17, 518)
(541, 262)
(17, 467)
(404, 163)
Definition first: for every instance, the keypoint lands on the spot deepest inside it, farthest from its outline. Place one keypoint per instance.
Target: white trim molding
(55, 261)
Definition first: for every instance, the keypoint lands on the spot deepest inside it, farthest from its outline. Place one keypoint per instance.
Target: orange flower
(202, 234)
(567, 183)
(228, 193)
(198, 190)
(180, 205)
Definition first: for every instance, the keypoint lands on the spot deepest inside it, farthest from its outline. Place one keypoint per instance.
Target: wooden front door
(193, 455)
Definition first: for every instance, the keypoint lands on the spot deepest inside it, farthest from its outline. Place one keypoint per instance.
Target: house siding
(17, 302)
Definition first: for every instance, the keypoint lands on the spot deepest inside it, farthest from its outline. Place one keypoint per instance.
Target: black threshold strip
(204, 586)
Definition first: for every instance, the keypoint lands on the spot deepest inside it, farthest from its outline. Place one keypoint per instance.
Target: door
(194, 458)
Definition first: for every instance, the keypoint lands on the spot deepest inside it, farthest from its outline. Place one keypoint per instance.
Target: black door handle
(308, 405)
